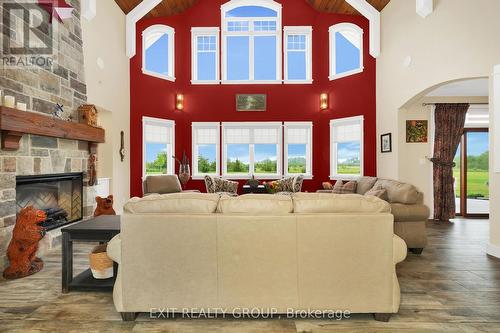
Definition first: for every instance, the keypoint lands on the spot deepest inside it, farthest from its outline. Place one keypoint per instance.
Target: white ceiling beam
(373, 15)
(425, 7)
(89, 9)
(132, 18)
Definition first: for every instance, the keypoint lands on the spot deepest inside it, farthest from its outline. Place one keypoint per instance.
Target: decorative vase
(184, 174)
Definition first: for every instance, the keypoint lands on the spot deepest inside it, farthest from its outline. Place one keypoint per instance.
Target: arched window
(346, 50)
(251, 41)
(158, 52)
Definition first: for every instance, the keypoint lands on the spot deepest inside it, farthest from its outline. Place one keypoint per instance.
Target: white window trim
(165, 123)
(160, 28)
(194, 151)
(279, 43)
(309, 155)
(334, 29)
(253, 125)
(298, 30)
(333, 149)
(195, 33)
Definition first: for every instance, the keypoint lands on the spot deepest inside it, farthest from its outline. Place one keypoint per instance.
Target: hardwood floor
(452, 287)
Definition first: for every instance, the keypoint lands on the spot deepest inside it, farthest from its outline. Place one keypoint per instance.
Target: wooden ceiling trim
(173, 7)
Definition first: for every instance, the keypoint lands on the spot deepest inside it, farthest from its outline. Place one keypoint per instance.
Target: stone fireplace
(41, 88)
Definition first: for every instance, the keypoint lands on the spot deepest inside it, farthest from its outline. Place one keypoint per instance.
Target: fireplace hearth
(59, 195)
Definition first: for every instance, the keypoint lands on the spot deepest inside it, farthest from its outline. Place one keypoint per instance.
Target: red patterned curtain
(449, 123)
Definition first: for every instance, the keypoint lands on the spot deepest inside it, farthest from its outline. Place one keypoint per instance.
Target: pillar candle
(10, 101)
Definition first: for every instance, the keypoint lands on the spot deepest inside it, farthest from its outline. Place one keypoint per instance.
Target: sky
(153, 149)
(477, 143)
(157, 56)
(347, 150)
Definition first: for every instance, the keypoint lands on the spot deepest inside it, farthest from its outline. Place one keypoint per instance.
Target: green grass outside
(477, 183)
(344, 169)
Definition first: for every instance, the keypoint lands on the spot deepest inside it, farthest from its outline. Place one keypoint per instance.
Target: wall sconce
(323, 101)
(179, 102)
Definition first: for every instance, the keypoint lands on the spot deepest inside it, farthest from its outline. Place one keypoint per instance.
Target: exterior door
(472, 174)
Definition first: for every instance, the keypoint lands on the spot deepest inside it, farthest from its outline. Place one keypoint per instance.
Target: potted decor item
(184, 169)
(252, 182)
(100, 264)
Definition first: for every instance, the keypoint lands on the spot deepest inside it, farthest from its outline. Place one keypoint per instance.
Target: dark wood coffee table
(100, 229)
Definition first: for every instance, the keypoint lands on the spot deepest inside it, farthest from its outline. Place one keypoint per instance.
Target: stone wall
(41, 88)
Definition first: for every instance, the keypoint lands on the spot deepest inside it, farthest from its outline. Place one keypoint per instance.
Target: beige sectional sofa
(407, 206)
(306, 252)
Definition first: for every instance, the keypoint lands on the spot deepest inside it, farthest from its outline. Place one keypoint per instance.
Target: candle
(10, 101)
(21, 106)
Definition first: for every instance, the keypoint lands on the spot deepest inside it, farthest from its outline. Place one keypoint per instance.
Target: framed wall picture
(417, 131)
(386, 143)
(252, 102)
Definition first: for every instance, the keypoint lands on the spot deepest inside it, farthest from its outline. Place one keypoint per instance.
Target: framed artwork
(417, 131)
(386, 143)
(254, 102)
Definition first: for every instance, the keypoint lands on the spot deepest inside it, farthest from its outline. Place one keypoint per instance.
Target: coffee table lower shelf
(85, 281)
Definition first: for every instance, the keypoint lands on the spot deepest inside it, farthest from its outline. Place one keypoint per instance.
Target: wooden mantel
(15, 123)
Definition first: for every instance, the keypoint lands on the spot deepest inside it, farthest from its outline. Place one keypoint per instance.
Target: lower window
(346, 141)
(252, 149)
(158, 143)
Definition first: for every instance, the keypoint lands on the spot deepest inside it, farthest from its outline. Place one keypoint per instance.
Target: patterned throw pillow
(290, 184)
(379, 192)
(345, 188)
(285, 184)
(297, 185)
(217, 185)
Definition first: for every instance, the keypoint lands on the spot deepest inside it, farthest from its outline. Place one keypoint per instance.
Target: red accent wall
(349, 96)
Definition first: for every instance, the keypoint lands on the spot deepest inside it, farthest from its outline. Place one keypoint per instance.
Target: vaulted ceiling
(172, 7)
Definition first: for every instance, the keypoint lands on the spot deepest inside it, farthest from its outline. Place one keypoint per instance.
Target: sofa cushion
(175, 203)
(409, 213)
(345, 188)
(256, 204)
(378, 192)
(338, 203)
(399, 192)
(365, 184)
(162, 184)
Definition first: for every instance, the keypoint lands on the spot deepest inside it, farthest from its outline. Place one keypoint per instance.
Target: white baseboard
(493, 250)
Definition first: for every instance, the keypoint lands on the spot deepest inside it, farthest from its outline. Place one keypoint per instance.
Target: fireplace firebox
(59, 195)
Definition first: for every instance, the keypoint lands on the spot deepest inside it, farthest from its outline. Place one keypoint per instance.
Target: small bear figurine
(104, 206)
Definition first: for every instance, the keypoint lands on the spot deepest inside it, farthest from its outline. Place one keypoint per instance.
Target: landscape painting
(255, 102)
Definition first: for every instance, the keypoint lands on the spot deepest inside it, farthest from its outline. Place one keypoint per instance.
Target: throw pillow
(285, 184)
(297, 185)
(379, 192)
(345, 188)
(216, 185)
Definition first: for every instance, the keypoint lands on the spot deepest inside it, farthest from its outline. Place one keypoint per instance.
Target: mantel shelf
(15, 123)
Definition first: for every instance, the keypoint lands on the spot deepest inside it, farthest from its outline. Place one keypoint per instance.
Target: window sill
(298, 81)
(159, 76)
(250, 82)
(345, 177)
(306, 177)
(200, 82)
(339, 76)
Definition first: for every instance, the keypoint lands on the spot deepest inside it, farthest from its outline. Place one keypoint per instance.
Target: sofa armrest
(399, 249)
(114, 249)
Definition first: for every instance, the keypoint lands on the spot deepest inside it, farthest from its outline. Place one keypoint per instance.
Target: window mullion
(251, 68)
